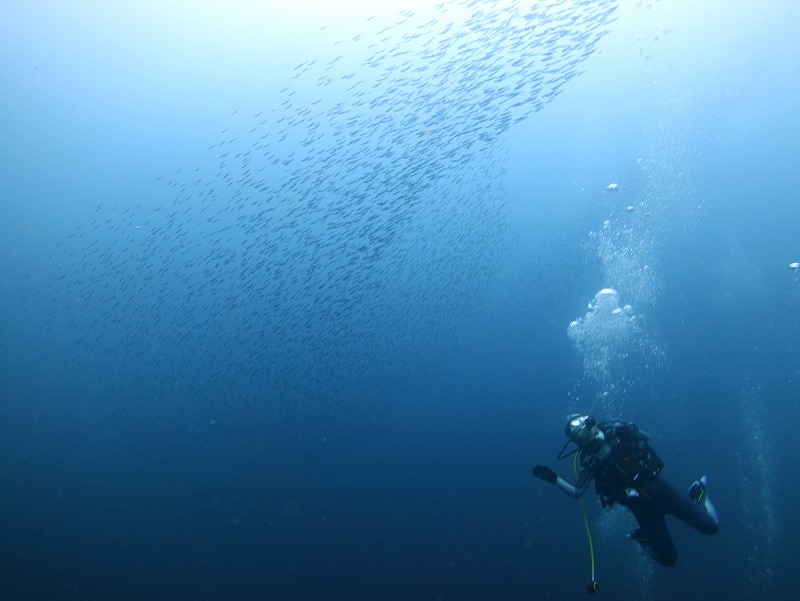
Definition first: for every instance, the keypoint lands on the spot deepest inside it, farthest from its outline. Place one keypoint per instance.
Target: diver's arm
(574, 490)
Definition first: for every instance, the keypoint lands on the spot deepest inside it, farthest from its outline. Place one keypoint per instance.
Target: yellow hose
(593, 587)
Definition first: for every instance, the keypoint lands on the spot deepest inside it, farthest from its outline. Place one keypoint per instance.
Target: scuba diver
(627, 471)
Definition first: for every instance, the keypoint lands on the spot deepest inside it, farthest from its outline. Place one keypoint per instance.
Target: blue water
(293, 298)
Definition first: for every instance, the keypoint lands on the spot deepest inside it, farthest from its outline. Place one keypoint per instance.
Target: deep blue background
(350, 408)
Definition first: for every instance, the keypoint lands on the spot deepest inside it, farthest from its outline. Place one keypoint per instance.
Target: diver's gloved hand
(545, 473)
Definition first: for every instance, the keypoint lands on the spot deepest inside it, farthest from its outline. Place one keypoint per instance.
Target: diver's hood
(583, 430)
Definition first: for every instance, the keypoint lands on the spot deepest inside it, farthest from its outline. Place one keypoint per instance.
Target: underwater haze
(295, 294)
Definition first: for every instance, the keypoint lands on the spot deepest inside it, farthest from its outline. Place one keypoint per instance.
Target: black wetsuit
(630, 475)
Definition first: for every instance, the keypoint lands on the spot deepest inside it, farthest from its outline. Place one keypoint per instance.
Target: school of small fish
(337, 239)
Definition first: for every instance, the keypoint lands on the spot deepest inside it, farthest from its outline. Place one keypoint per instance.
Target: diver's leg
(652, 534)
(699, 514)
